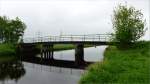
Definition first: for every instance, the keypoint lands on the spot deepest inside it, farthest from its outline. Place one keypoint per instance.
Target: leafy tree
(11, 29)
(18, 27)
(128, 25)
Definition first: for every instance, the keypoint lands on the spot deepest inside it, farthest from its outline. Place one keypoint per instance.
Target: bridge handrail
(89, 37)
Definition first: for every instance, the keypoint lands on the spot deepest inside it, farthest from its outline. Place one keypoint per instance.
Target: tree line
(11, 30)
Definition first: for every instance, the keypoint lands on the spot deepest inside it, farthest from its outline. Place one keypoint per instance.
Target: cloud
(70, 16)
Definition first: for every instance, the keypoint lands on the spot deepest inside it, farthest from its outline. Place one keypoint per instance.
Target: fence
(89, 37)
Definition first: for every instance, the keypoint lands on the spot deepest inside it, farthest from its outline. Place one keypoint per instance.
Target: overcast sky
(50, 17)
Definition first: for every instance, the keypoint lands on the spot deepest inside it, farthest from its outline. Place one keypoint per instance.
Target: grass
(7, 52)
(60, 47)
(121, 67)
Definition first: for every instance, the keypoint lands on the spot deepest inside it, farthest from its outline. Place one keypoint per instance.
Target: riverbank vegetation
(130, 66)
(11, 32)
(7, 49)
(7, 52)
(128, 61)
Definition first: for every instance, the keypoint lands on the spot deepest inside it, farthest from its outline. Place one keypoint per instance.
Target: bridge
(47, 44)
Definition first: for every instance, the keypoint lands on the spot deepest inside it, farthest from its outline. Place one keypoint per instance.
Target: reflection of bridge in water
(46, 47)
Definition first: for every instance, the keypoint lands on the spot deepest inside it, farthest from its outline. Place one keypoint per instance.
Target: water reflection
(18, 72)
(91, 54)
(11, 70)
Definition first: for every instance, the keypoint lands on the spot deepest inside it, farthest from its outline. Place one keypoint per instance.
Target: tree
(3, 23)
(128, 25)
(18, 27)
(11, 29)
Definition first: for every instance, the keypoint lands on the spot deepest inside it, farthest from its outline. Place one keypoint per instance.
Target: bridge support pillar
(51, 51)
(79, 54)
(42, 53)
(47, 52)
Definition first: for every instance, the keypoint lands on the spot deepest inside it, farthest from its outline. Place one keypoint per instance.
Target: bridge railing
(90, 37)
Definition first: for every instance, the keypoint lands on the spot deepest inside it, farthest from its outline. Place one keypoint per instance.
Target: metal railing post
(49, 39)
(55, 38)
(71, 38)
(93, 38)
(32, 40)
(99, 37)
(84, 38)
(60, 38)
(41, 39)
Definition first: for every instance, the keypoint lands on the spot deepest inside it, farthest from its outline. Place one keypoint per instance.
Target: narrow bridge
(48, 42)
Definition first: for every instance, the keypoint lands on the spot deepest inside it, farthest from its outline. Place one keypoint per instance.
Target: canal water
(29, 73)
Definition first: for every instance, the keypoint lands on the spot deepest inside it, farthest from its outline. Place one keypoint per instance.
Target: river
(30, 73)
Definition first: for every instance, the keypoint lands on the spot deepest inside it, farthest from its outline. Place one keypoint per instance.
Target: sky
(55, 17)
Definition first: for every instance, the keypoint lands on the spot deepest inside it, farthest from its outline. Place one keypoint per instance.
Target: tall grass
(121, 67)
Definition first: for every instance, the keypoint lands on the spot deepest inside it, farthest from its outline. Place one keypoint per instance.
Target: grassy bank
(121, 67)
(60, 47)
(7, 52)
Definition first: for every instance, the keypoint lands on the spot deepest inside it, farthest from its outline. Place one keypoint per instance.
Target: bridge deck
(96, 39)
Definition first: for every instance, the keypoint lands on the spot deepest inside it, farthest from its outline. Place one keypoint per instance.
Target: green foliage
(11, 30)
(7, 50)
(128, 25)
(121, 67)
